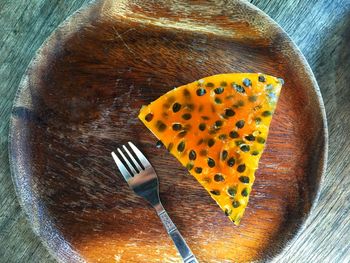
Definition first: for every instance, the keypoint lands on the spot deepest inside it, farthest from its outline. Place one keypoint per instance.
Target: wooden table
(321, 28)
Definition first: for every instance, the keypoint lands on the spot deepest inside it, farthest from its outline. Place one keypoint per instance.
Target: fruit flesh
(217, 127)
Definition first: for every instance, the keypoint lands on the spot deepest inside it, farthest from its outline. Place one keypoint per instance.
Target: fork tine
(134, 172)
(138, 167)
(140, 155)
(125, 173)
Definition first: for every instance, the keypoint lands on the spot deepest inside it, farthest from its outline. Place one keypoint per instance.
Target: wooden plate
(80, 98)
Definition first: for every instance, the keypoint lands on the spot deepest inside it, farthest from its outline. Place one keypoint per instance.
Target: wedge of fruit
(217, 128)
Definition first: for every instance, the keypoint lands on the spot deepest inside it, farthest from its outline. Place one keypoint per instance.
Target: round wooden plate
(79, 100)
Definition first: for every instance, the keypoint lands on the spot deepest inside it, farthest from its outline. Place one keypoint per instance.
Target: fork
(143, 180)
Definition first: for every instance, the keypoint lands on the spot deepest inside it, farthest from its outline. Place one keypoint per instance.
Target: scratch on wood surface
(185, 24)
(121, 38)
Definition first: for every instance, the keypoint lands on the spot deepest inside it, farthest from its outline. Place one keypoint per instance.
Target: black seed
(269, 87)
(252, 98)
(224, 155)
(238, 104)
(202, 126)
(159, 144)
(203, 153)
(210, 85)
(181, 146)
(245, 148)
(258, 107)
(261, 78)
(186, 93)
(254, 153)
(161, 126)
(171, 99)
(244, 179)
(250, 137)
(215, 192)
(232, 191)
(201, 92)
(244, 192)
(258, 120)
(234, 134)
(231, 162)
(228, 212)
(272, 96)
(192, 155)
(218, 100)
(223, 84)
(219, 178)
(214, 130)
(206, 179)
(177, 126)
(222, 136)
(240, 124)
(236, 204)
(200, 141)
(187, 116)
(239, 142)
(211, 142)
(189, 166)
(176, 107)
(149, 117)
(170, 146)
(211, 162)
(198, 170)
(182, 134)
(247, 82)
(241, 168)
(260, 140)
(219, 90)
(238, 88)
(218, 123)
(266, 113)
(281, 81)
(189, 107)
(229, 112)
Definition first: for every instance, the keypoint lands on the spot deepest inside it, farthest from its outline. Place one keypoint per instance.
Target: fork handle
(179, 241)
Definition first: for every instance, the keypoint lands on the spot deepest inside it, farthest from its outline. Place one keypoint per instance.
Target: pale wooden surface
(322, 31)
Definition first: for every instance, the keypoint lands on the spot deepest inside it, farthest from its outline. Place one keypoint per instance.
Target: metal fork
(144, 182)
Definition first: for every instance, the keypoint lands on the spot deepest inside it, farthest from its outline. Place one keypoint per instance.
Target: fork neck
(159, 208)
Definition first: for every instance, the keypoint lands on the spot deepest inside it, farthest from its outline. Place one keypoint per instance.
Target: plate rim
(66, 249)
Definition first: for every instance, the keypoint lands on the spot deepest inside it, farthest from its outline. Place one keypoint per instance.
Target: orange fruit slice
(217, 127)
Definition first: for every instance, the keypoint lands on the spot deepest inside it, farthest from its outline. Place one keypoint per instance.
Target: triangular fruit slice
(217, 128)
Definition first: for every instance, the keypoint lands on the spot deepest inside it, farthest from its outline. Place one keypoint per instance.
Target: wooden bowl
(79, 100)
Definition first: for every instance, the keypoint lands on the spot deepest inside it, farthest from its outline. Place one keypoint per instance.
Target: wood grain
(25, 25)
(325, 237)
(80, 99)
